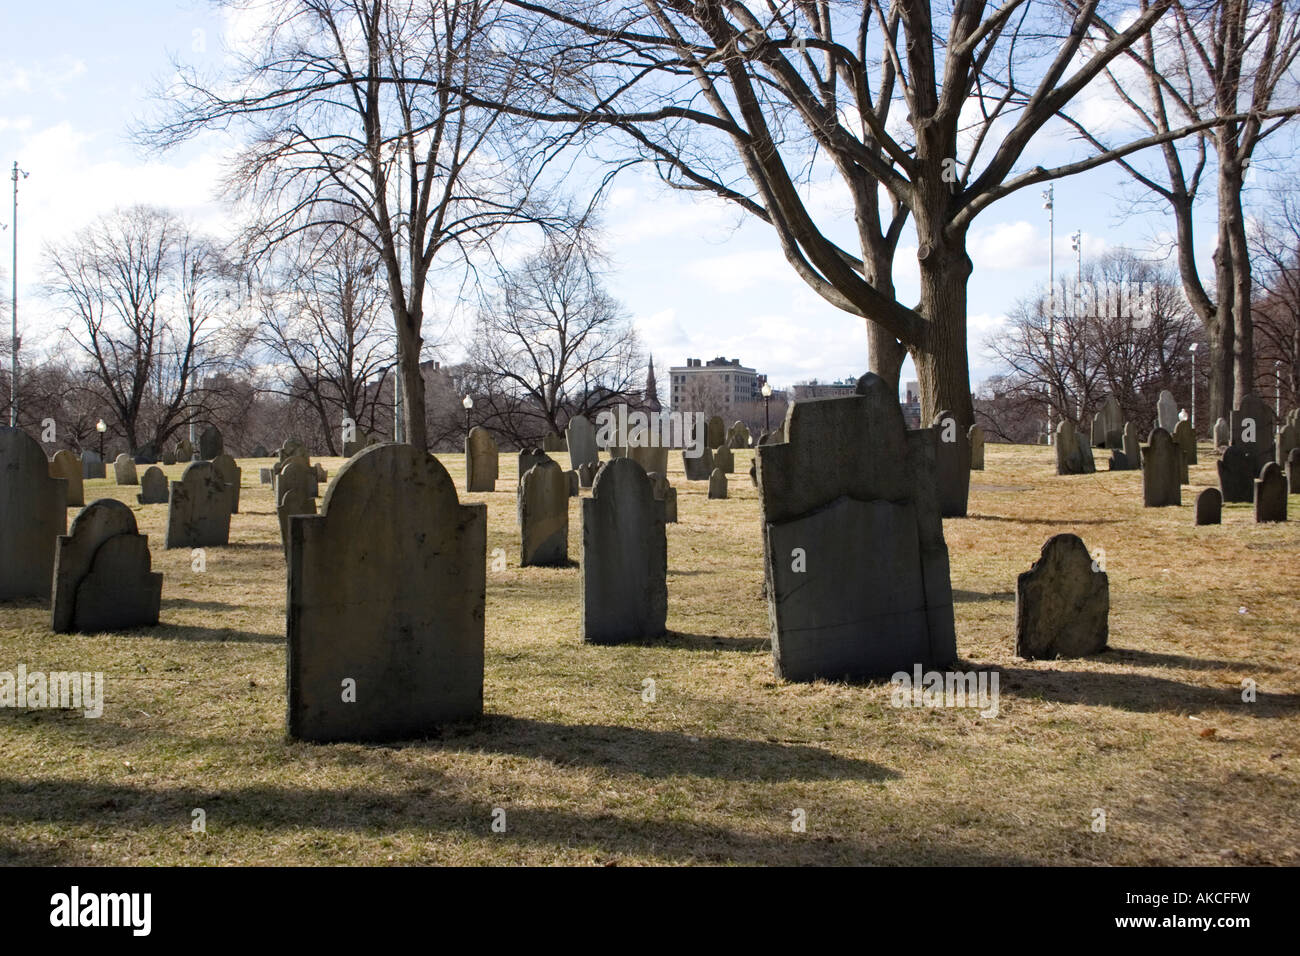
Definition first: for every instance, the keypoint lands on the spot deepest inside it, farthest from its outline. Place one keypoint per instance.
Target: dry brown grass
(589, 773)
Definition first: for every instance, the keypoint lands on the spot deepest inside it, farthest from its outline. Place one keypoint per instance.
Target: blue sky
(699, 279)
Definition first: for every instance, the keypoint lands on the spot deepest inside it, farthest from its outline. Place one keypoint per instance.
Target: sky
(698, 278)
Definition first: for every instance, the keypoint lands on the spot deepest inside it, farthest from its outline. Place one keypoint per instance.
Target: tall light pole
(1049, 204)
(1076, 243)
(13, 311)
(1192, 348)
(1277, 388)
(767, 397)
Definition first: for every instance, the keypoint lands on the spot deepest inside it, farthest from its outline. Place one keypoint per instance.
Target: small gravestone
(153, 487)
(715, 432)
(553, 442)
(530, 457)
(169, 456)
(92, 466)
(1209, 506)
(1185, 439)
(1222, 433)
(293, 496)
(266, 475)
(580, 437)
(385, 607)
(575, 487)
(33, 513)
(650, 458)
(1236, 474)
(66, 465)
(1132, 450)
(1293, 471)
(1166, 411)
(210, 443)
(1270, 494)
(718, 484)
(587, 473)
(723, 459)
(1073, 457)
(667, 494)
(739, 436)
(102, 573)
(1286, 441)
(624, 579)
(1108, 425)
(1062, 602)
(543, 516)
(232, 475)
(124, 472)
(198, 514)
(698, 467)
(260, 451)
(1162, 463)
(952, 464)
(184, 451)
(975, 438)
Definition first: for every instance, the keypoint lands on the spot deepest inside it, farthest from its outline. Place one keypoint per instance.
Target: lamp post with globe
(767, 397)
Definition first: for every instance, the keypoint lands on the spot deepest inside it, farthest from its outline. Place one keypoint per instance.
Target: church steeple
(651, 396)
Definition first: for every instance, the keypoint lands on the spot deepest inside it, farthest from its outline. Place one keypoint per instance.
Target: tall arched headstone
(952, 461)
(66, 465)
(124, 472)
(581, 437)
(198, 514)
(1270, 494)
(153, 487)
(386, 602)
(102, 573)
(232, 475)
(1162, 465)
(211, 443)
(1166, 411)
(293, 496)
(33, 513)
(543, 516)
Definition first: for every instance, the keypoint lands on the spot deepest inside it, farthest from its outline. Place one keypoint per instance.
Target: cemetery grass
(1153, 732)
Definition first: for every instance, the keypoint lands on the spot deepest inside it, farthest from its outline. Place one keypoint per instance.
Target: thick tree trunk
(1235, 287)
(409, 345)
(885, 354)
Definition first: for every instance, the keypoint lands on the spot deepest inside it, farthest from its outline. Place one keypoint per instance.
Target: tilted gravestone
(738, 436)
(587, 473)
(975, 439)
(715, 432)
(699, 467)
(1270, 494)
(665, 493)
(184, 451)
(718, 484)
(33, 513)
(543, 516)
(1252, 429)
(1166, 411)
(624, 579)
(1162, 463)
(1108, 425)
(856, 566)
(386, 603)
(952, 463)
(103, 577)
(1209, 506)
(198, 514)
(232, 475)
(124, 472)
(1293, 471)
(1236, 474)
(66, 465)
(1185, 439)
(1288, 437)
(580, 436)
(723, 460)
(293, 496)
(211, 443)
(554, 442)
(481, 460)
(92, 466)
(1062, 602)
(648, 457)
(1073, 457)
(153, 487)
(1222, 433)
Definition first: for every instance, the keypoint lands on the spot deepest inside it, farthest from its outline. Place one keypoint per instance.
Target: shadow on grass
(166, 631)
(707, 642)
(192, 605)
(1120, 655)
(1140, 693)
(969, 596)
(14, 853)
(439, 809)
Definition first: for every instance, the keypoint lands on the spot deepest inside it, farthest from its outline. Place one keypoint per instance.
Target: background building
(713, 386)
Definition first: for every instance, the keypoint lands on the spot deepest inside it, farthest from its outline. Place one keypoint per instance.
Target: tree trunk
(885, 355)
(1218, 331)
(409, 345)
(1237, 290)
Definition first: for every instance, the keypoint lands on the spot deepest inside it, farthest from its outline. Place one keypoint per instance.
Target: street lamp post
(1050, 205)
(1277, 388)
(468, 403)
(1076, 243)
(767, 397)
(1192, 348)
(101, 428)
(13, 310)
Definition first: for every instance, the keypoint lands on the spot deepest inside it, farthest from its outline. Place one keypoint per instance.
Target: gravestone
(856, 567)
(1293, 471)
(321, 474)
(1209, 506)
(1132, 450)
(1236, 474)
(723, 460)
(580, 436)
(624, 579)
(146, 454)
(1222, 433)
(1062, 602)
(184, 451)
(975, 439)
(665, 493)
(753, 472)
(1162, 463)
(1288, 437)
(312, 479)
(153, 487)
(169, 456)
(553, 442)
(210, 443)
(1166, 411)
(33, 513)
(124, 472)
(293, 496)
(232, 475)
(587, 473)
(386, 603)
(198, 514)
(266, 475)
(739, 436)
(362, 440)
(1185, 439)
(1252, 428)
(292, 448)
(1108, 425)
(1073, 457)
(103, 577)
(698, 468)
(66, 465)
(529, 457)
(718, 484)
(649, 458)
(543, 516)
(260, 451)
(1270, 494)
(952, 463)
(92, 466)
(575, 487)
(715, 432)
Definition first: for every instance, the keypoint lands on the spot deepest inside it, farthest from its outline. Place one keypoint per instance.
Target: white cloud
(740, 271)
(1006, 245)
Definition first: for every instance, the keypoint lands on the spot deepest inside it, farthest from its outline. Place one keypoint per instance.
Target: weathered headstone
(153, 487)
(1062, 602)
(528, 457)
(210, 443)
(1108, 425)
(293, 496)
(739, 436)
(312, 479)
(1073, 457)
(198, 514)
(169, 456)
(698, 468)
(1166, 411)
(102, 573)
(554, 442)
(124, 472)
(543, 516)
(1293, 471)
(667, 494)
(1236, 474)
(184, 451)
(580, 436)
(624, 579)
(718, 484)
(1162, 463)
(1222, 433)
(386, 603)
(232, 475)
(266, 475)
(715, 432)
(1185, 438)
(952, 464)
(723, 459)
(587, 473)
(1288, 437)
(856, 565)
(1270, 494)
(92, 466)
(66, 465)
(1132, 450)
(292, 448)
(650, 458)
(1209, 506)
(975, 439)
(575, 486)
(33, 513)
(1252, 427)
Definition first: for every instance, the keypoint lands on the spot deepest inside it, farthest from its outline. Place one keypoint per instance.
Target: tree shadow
(1121, 655)
(708, 642)
(1140, 693)
(200, 605)
(216, 635)
(970, 596)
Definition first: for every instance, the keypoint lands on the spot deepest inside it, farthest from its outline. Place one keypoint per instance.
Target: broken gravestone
(1062, 602)
(103, 579)
(665, 493)
(698, 467)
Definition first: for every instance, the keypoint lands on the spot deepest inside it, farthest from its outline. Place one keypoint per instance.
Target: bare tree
(1275, 257)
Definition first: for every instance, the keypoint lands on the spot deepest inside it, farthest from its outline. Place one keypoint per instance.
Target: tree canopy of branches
(1275, 256)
